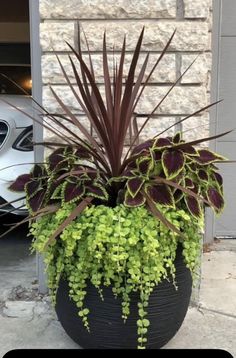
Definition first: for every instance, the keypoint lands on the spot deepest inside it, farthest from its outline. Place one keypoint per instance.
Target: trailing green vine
(125, 248)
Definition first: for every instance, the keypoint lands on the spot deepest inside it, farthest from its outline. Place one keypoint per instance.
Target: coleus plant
(163, 171)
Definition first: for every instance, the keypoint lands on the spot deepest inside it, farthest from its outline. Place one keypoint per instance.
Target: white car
(16, 149)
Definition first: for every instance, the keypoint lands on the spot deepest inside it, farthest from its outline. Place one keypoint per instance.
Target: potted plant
(119, 226)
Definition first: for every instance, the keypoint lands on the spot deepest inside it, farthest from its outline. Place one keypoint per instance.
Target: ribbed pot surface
(166, 312)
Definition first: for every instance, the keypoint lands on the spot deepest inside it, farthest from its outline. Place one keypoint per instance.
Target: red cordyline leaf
(19, 184)
(173, 162)
(161, 101)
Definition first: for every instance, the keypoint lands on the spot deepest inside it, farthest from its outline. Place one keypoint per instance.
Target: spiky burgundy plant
(163, 171)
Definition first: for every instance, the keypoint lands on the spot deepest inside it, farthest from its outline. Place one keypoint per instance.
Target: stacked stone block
(63, 20)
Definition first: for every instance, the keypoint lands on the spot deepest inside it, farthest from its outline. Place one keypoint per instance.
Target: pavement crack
(201, 309)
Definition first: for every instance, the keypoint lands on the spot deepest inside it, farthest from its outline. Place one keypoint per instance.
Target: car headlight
(25, 140)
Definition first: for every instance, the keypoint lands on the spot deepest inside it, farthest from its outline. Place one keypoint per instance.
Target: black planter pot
(166, 312)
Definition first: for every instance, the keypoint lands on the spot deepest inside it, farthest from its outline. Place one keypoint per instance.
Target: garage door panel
(227, 87)
(226, 223)
(228, 27)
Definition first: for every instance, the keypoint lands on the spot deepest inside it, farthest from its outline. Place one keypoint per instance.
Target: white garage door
(226, 113)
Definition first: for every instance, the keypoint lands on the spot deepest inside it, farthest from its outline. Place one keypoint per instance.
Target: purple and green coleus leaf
(82, 152)
(162, 143)
(134, 185)
(143, 147)
(96, 190)
(206, 156)
(177, 138)
(145, 164)
(188, 183)
(216, 199)
(218, 178)
(173, 162)
(72, 191)
(36, 201)
(55, 158)
(193, 206)
(33, 186)
(203, 175)
(19, 184)
(189, 150)
(134, 202)
(39, 171)
(160, 194)
(178, 195)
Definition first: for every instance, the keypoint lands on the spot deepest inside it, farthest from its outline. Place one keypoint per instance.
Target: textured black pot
(166, 312)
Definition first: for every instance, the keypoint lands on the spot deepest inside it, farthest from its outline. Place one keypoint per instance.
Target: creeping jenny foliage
(120, 247)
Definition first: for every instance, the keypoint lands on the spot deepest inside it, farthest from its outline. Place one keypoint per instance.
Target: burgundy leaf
(192, 167)
(138, 200)
(36, 201)
(178, 194)
(128, 173)
(19, 184)
(207, 157)
(218, 178)
(157, 155)
(216, 199)
(177, 137)
(32, 187)
(189, 150)
(189, 183)
(82, 153)
(96, 191)
(68, 150)
(143, 147)
(55, 158)
(161, 194)
(72, 192)
(145, 165)
(173, 162)
(202, 174)
(193, 206)
(195, 188)
(134, 185)
(38, 171)
(162, 143)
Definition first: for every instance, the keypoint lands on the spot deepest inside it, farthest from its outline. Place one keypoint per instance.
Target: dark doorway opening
(15, 61)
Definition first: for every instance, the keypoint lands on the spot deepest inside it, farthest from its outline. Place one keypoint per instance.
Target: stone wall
(63, 20)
